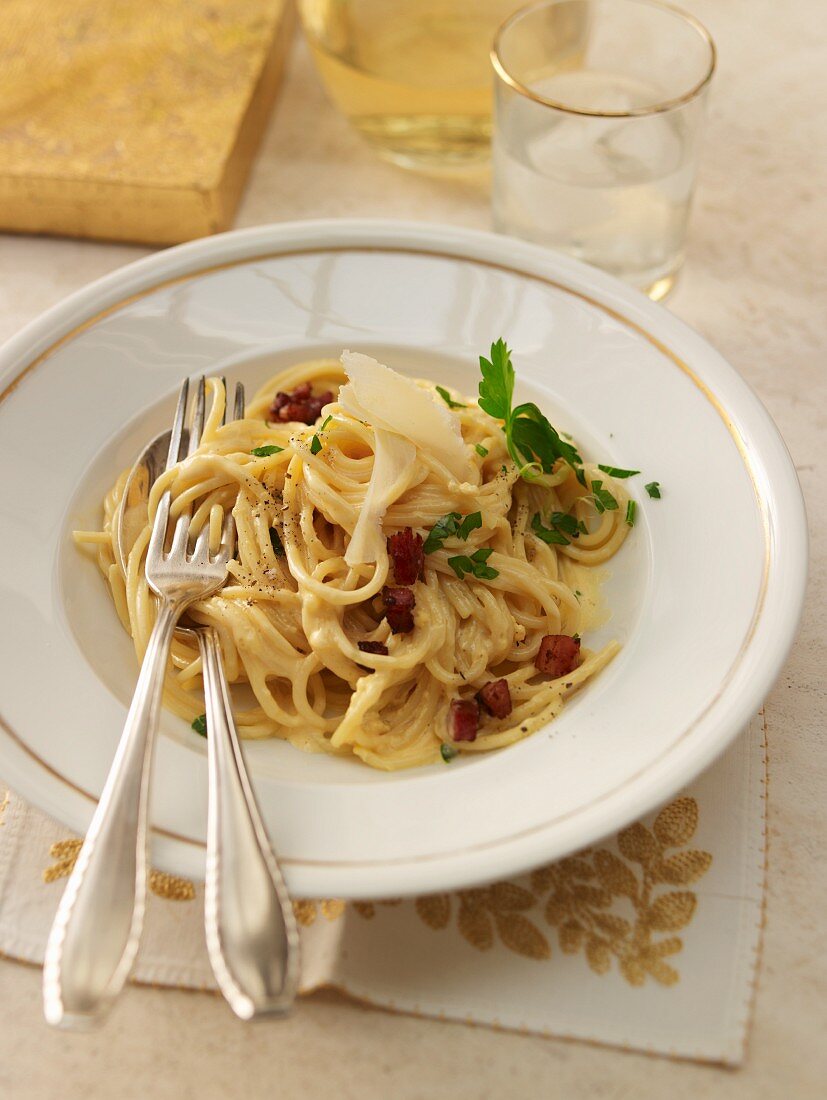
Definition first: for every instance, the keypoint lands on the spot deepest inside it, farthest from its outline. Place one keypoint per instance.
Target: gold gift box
(130, 120)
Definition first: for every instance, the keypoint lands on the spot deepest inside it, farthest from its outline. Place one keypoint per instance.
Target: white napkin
(648, 941)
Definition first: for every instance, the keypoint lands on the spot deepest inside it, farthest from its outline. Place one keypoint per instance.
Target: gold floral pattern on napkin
(306, 909)
(487, 911)
(66, 852)
(605, 905)
(668, 966)
(585, 897)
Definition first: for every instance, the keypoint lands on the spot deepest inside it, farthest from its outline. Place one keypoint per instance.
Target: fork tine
(226, 400)
(201, 550)
(238, 412)
(226, 547)
(181, 535)
(197, 417)
(178, 425)
(159, 528)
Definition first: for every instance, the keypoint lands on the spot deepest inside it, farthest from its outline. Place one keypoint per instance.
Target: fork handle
(95, 934)
(251, 932)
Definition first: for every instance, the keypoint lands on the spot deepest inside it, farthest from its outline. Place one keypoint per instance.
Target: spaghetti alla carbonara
(414, 568)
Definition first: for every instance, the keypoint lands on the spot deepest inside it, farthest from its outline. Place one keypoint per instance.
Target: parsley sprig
(475, 564)
(532, 442)
(451, 525)
(199, 724)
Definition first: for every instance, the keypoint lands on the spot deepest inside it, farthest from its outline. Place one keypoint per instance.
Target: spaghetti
(506, 555)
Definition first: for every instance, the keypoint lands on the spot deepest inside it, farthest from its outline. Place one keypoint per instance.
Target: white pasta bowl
(705, 594)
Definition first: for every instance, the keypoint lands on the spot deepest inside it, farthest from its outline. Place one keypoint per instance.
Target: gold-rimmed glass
(597, 118)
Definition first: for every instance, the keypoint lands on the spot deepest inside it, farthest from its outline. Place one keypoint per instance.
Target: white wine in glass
(412, 76)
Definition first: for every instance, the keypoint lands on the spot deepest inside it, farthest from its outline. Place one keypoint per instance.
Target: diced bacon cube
(300, 406)
(317, 403)
(399, 604)
(559, 654)
(496, 698)
(295, 412)
(405, 550)
(465, 718)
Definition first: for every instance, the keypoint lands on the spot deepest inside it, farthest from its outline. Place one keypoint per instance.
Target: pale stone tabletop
(756, 286)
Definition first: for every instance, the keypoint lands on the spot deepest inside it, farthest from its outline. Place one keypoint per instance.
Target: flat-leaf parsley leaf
(475, 564)
(562, 526)
(653, 489)
(199, 724)
(603, 499)
(315, 442)
(265, 452)
(449, 401)
(497, 386)
(451, 525)
(615, 471)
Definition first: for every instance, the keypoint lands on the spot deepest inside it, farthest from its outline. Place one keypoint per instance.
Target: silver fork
(252, 937)
(95, 935)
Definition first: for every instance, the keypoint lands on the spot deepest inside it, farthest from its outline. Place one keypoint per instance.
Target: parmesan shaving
(393, 458)
(391, 401)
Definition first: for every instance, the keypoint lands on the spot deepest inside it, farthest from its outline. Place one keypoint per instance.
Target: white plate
(706, 593)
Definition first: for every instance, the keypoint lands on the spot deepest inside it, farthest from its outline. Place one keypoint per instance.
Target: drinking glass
(412, 76)
(597, 117)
